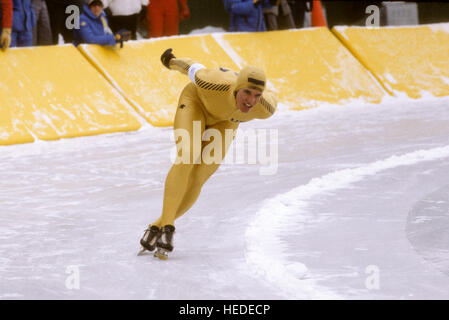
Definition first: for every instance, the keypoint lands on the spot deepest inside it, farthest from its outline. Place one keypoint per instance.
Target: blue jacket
(92, 29)
(245, 16)
(23, 17)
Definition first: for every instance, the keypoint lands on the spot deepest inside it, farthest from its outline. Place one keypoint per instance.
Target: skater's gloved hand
(5, 39)
(123, 35)
(166, 57)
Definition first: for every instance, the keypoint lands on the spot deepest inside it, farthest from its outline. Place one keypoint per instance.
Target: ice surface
(360, 193)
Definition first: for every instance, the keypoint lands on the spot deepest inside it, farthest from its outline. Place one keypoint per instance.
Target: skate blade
(142, 251)
(161, 254)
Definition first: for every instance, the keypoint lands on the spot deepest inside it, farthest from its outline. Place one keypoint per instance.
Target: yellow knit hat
(250, 77)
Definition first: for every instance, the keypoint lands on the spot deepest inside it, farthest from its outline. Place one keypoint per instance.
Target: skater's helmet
(250, 77)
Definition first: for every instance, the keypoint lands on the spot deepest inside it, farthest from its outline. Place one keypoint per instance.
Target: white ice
(357, 209)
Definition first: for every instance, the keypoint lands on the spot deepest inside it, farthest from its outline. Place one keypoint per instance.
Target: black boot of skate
(165, 242)
(149, 239)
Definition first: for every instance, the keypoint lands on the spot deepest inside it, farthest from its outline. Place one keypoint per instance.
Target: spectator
(42, 32)
(125, 15)
(58, 16)
(299, 9)
(5, 23)
(246, 15)
(23, 22)
(279, 15)
(94, 27)
(163, 17)
(142, 24)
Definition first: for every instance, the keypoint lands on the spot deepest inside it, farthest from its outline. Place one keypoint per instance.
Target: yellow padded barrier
(136, 70)
(56, 93)
(307, 67)
(12, 130)
(407, 60)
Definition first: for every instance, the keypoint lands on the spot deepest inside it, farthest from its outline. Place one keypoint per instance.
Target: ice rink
(356, 207)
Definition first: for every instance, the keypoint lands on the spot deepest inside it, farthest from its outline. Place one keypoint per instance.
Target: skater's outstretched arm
(209, 81)
(182, 65)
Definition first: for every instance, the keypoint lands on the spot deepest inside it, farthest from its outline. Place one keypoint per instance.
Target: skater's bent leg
(189, 126)
(175, 187)
(202, 172)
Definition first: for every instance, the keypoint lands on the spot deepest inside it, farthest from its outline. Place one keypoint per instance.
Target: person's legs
(55, 18)
(124, 22)
(37, 12)
(189, 116)
(114, 23)
(286, 21)
(155, 19)
(42, 32)
(25, 39)
(271, 21)
(13, 43)
(67, 34)
(171, 18)
(131, 25)
(202, 172)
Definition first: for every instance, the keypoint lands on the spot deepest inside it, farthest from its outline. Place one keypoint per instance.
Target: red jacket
(6, 13)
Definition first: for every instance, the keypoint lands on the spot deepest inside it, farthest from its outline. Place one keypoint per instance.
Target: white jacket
(125, 7)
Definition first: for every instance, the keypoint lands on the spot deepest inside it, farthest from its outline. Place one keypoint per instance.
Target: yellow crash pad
(136, 70)
(12, 130)
(407, 60)
(56, 93)
(307, 67)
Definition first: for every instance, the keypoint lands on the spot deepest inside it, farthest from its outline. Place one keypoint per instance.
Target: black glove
(123, 35)
(166, 57)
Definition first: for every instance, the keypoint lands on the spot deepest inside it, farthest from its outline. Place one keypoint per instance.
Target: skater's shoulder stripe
(267, 105)
(211, 86)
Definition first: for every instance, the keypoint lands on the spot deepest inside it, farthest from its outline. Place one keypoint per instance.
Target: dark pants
(58, 16)
(299, 8)
(42, 31)
(21, 39)
(124, 22)
(281, 21)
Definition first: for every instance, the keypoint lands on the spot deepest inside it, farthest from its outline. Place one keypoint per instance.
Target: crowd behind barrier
(108, 22)
(45, 22)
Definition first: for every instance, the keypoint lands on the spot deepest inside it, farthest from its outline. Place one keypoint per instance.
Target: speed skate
(160, 253)
(160, 238)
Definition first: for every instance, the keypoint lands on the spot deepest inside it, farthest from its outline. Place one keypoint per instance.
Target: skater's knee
(203, 172)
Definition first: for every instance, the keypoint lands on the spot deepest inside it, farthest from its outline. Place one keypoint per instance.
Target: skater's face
(247, 98)
(96, 8)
